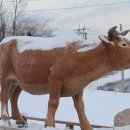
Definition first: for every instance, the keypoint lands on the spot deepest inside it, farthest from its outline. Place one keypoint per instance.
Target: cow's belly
(35, 89)
(69, 88)
(33, 76)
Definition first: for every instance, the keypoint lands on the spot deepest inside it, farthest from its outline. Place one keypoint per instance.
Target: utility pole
(122, 72)
(78, 31)
(82, 31)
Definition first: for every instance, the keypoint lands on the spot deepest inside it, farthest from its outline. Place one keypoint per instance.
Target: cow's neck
(97, 63)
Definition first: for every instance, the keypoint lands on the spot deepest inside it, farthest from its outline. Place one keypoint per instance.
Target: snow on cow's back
(40, 43)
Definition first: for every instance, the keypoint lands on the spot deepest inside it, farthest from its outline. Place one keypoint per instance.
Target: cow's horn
(124, 33)
(112, 31)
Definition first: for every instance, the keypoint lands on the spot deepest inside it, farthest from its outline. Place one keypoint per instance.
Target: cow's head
(118, 48)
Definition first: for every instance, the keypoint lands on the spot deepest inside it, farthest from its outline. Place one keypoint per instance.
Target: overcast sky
(98, 17)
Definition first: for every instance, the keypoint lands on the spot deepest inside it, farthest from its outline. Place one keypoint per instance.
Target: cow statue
(60, 72)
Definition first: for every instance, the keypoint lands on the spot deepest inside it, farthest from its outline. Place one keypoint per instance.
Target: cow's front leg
(54, 95)
(5, 86)
(79, 106)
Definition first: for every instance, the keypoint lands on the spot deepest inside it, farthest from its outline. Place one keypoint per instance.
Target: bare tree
(18, 6)
(17, 23)
(34, 25)
(2, 21)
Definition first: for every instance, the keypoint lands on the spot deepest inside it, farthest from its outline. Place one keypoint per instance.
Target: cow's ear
(105, 40)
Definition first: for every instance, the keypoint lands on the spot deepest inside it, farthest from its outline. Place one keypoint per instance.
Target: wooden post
(122, 72)
(70, 126)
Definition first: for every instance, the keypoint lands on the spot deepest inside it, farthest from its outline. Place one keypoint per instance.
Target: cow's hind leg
(54, 95)
(79, 106)
(14, 105)
(5, 87)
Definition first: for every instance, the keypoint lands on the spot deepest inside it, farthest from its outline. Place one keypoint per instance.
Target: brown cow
(55, 54)
(33, 72)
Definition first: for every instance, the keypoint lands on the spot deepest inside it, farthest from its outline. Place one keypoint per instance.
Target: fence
(68, 124)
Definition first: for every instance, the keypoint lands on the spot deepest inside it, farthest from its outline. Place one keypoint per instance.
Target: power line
(78, 7)
(13, 1)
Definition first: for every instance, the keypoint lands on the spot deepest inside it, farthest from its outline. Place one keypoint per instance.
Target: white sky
(97, 18)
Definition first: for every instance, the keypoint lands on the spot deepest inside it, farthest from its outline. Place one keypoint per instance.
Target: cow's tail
(0, 92)
(0, 88)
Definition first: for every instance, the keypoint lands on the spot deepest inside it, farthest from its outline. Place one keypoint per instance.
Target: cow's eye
(124, 45)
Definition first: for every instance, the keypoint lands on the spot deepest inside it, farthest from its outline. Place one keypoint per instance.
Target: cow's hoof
(24, 117)
(21, 124)
(5, 123)
(49, 124)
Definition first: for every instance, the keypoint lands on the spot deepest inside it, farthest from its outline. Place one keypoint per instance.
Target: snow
(34, 126)
(39, 43)
(84, 49)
